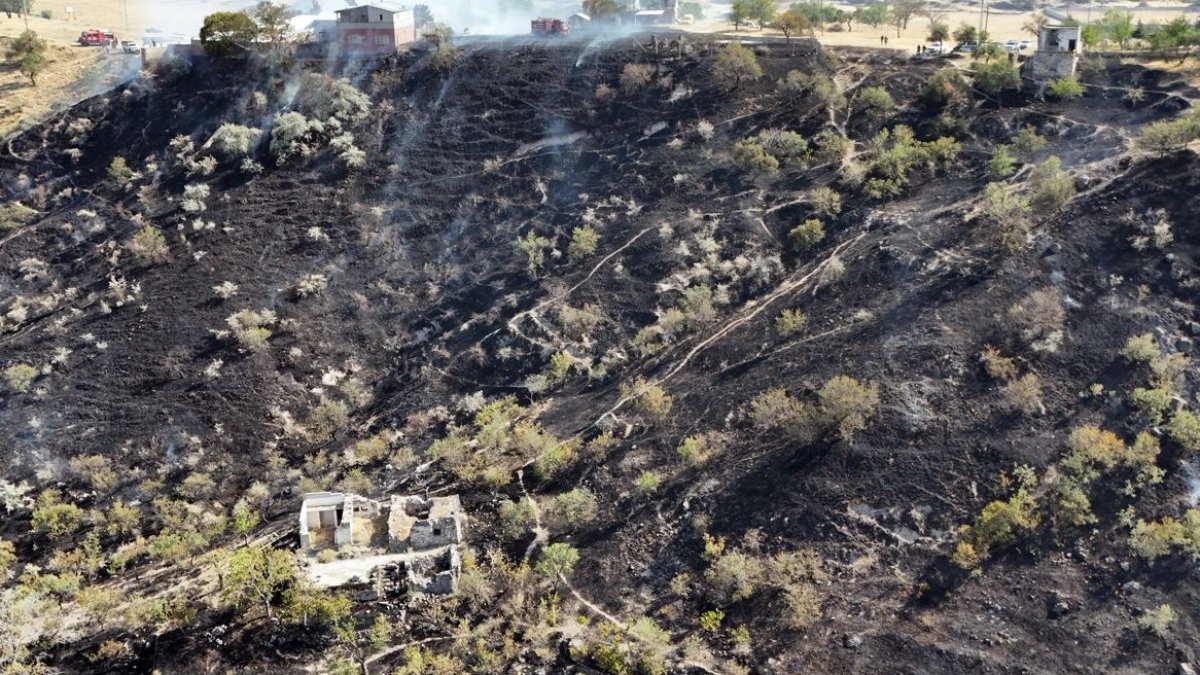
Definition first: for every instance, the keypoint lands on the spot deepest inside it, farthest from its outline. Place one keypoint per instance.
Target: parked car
(966, 47)
(130, 47)
(1026, 44)
(937, 48)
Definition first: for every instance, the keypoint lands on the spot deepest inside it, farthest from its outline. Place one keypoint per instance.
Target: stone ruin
(412, 538)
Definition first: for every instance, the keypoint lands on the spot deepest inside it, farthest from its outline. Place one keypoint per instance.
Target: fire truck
(549, 27)
(97, 37)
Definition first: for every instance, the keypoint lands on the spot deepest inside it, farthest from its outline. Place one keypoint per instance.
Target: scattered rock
(1186, 669)
(852, 641)
(1193, 327)
(1131, 587)
(1184, 344)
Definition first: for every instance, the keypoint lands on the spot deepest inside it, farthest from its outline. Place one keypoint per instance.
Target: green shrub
(647, 482)
(1027, 143)
(1157, 539)
(1167, 371)
(733, 576)
(773, 408)
(1157, 620)
(149, 246)
(119, 170)
(234, 141)
(1184, 429)
(750, 156)
(1092, 451)
(783, 144)
(294, 135)
(533, 249)
(516, 517)
(945, 88)
(326, 419)
(874, 102)
(649, 399)
(20, 376)
(999, 524)
(572, 509)
(710, 621)
(1153, 403)
(807, 235)
(1166, 136)
(735, 65)
(790, 321)
(695, 450)
(848, 404)
(54, 517)
(825, 201)
(832, 147)
(250, 328)
(1051, 186)
(584, 241)
(993, 78)
(1140, 348)
(1001, 165)
(1065, 88)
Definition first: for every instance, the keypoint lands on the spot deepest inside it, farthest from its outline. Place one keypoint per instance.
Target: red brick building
(371, 30)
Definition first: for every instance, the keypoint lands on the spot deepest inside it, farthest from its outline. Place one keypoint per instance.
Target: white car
(937, 48)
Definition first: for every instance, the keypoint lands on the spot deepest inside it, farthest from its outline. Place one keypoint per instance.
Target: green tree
(1118, 25)
(28, 54)
(359, 643)
(740, 12)
(273, 21)
(557, 559)
(965, 33)
(763, 12)
(792, 23)
(256, 575)
(734, 65)
(1177, 37)
(222, 32)
(903, 10)
(18, 7)
(993, 78)
(939, 32)
(875, 14)
(599, 8)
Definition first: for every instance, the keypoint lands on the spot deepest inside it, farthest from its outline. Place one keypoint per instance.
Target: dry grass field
(1002, 25)
(74, 72)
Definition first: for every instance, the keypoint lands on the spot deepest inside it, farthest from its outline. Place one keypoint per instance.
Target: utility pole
(26, 14)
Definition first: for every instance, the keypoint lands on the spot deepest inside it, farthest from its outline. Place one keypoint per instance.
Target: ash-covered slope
(210, 331)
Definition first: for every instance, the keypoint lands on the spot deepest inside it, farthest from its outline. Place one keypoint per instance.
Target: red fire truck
(545, 27)
(97, 37)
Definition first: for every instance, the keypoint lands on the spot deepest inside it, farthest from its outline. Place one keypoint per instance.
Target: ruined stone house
(414, 537)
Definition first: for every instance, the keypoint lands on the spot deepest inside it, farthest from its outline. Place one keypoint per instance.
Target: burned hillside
(843, 363)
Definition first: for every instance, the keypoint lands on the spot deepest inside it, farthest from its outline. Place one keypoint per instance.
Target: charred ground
(427, 303)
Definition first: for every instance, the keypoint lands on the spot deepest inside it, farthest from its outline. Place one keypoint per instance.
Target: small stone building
(1057, 56)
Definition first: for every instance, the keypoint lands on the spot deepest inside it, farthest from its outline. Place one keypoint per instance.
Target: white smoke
(497, 17)
(180, 20)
